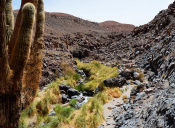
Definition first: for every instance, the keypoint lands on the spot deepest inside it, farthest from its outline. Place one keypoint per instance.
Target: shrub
(73, 102)
(42, 107)
(63, 113)
(51, 122)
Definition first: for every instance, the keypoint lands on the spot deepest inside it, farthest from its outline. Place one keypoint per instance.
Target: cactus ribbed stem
(34, 65)
(20, 53)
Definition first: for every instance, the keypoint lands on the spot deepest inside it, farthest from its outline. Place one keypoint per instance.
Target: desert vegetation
(47, 110)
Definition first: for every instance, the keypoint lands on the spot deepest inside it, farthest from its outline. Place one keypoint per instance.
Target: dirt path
(110, 106)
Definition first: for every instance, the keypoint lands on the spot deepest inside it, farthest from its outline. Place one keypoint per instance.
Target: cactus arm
(34, 67)
(9, 19)
(21, 50)
(4, 68)
(15, 34)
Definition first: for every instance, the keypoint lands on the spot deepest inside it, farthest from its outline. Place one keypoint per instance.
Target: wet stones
(67, 92)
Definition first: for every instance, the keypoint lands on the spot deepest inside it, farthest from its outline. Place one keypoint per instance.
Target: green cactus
(18, 79)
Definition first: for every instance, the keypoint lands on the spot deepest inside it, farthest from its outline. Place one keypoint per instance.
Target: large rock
(80, 53)
(88, 93)
(65, 98)
(73, 92)
(127, 74)
(64, 87)
(115, 82)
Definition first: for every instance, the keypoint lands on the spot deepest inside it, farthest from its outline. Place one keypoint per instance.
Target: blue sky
(137, 12)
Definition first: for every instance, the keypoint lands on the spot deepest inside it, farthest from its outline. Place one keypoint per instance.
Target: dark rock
(64, 87)
(127, 74)
(115, 82)
(88, 93)
(98, 89)
(65, 98)
(72, 92)
(62, 92)
(80, 53)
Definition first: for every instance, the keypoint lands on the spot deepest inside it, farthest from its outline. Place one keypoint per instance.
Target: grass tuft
(98, 73)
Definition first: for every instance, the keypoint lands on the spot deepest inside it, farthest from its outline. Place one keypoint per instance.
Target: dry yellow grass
(114, 92)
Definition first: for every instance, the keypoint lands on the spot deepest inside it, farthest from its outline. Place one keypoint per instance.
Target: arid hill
(117, 27)
(62, 23)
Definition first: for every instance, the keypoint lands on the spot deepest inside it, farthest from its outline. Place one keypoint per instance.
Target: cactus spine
(20, 69)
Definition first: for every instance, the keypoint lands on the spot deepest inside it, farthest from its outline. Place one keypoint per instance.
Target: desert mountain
(117, 27)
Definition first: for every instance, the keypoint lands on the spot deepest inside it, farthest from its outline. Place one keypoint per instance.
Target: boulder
(88, 93)
(115, 82)
(65, 98)
(80, 54)
(64, 87)
(127, 74)
(73, 92)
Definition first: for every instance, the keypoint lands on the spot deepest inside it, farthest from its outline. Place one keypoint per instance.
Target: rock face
(148, 110)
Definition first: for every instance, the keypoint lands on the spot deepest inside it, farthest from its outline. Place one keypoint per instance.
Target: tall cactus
(20, 58)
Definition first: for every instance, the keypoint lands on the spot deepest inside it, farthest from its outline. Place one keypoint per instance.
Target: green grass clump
(42, 107)
(98, 73)
(70, 76)
(51, 122)
(22, 125)
(80, 87)
(63, 113)
(91, 114)
(73, 102)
